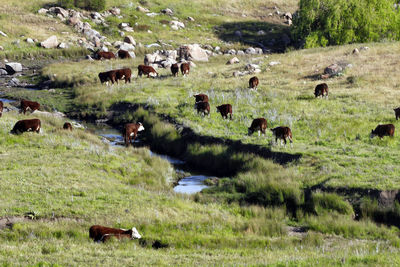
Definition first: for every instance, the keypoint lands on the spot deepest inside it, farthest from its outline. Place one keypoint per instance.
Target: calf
(201, 98)
(26, 104)
(125, 74)
(67, 126)
(202, 107)
(146, 70)
(101, 233)
(225, 110)
(32, 125)
(1, 108)
(131, 129)
(282, 132)
(397, 113)
(383, 130)
(185, 68)
(259, 124)
(106, 55)
(321, 90)
(123, 54)
(253, 82)
(175, 69)
(108, 76)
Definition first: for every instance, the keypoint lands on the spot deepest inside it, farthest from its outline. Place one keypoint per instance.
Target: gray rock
(13, 67)
(3, 72)
(104, 48)
(232, 52)
(233, 61)
(273, 63)
(121, 33)
(251, 67)
(88, 57)
(177, 24)
(258, 50)
(115, 11)
(364, 48)
(261, 32)
(128, 29)
(333, 69)
(250, 51)
(43, 11)
(193, 52)
(356, 51)
(59, 10)
(142, 9)
(14, 82)
(240, 53)
(126, 46)
(190, 19)
(129, 39)
(3, 34)
(152, 45)
(29, 41)
(152, 14)
(288, 16)
(62, 46)
(167, 11)
(238, 34)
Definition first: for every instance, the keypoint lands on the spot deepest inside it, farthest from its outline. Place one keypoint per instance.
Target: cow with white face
(131, 130)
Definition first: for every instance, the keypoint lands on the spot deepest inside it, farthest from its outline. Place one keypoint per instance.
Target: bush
(336, 22)
(96, 5)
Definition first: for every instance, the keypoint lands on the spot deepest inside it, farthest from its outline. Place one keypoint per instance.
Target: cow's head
(397, 110)
(250, 131)
(141, 128)
(373, 134)
(135, 233)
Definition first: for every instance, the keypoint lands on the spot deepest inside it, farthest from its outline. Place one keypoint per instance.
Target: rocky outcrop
(192, 52)
(13, 67)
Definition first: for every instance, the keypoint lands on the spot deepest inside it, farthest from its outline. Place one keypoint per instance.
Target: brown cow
(201, 98)
(225, 110)
(131, 129)
(185, 68)
(108, 76)
(259, 124)
(282, 133)
(21, 126)
(397, 113)
(253, 82)
(383, 130)
(106, 55)
(67, 126)
(202, 107)
(321, 90)
(175, 69)
(125, 74)
(123, 54)
(146, 70)
(1, 108)
(101, 233)
(26, 104)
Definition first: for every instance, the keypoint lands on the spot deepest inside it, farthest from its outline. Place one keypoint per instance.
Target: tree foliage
(336, 22)
(96, 5)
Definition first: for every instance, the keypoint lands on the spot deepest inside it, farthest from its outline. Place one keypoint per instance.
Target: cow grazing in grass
(125, 74)
(202, 107)
(321, 90)
(201, 98)
(225, 110)
(1, 108)
(259, 124)
(383, 130)
(175, 69)
(67, 126)
(146, 70)
(253, 83)
(185, 68)
(101, 233)
(107, 76)
(131, 130)
(32, 125)
(123, 54)
(282, 133)
(106, 55)
(26, 104)
(397, 113)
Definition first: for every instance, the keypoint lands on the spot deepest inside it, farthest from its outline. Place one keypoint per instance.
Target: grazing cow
(123, 54)
(131, 129)
(26, 104)
(32, 125)
(225, 110)
(106, 55)
(185, 68)
(202, 107)
(253, 82)
(67, 126)
(175, 69)
(321, 90)
(259, 124)
(108, 76)
(201, 98)
(101, 233)
(125, 74)
(282, 133)
(383, 130)
(397, 112)
(146, 70)
(1, 108)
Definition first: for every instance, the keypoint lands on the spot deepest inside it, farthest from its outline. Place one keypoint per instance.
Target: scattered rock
(126, 46)
(88, 57)
(29, 41)
(59, 11)
(333, 69)
(167, 11)
(250, 51)
(261, 32)
(288, 16)
(62, 46)
(3, 72)
(190, 19)
(356, 51)
(129, 39)
(50, 42)
(3, 34)
(240, 53)
(233, 61)
(142, 9)
(251, 67)
(115, 11)
(14, 82)
(273, 63)
(231, 52)
(13, 67)
(42, 11)
(176, 24)
(364, 48)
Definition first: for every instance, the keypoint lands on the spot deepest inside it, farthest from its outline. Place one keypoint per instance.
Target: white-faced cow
(225, 110)
(131, 130)
(26, 104)
(185, 68)
(146, 70)
(259, 124)
(383, 130)
(202, 107)
(321, 90)
(253, 83)
(201, 98)
(32, 125)
(282, 132)
(101, 233)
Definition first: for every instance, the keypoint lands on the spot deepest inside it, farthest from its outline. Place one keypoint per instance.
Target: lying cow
(259, 124)
(131, 129)
(146, 70)
(321, 90)
(383, 130)
(202, 107)
(123, 54)
(253, 82)
(201, 98)
(101, 233)
(125, 74)
(282, 133)
(1, 108)
(26, 104)
(225, 110)
(107, 76)
(67, 126)
(185, 68)
(106, 55)
(175, 69)
(32, 125)
(397, 113)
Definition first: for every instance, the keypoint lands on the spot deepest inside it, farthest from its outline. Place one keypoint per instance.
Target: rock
(62, 46)
(250, 51)
(14, 82)
(231, 52)
(13, 67)
(126, 46)
(238, 34)
(3, 72)
(128, 29)
(43, 11)
(261, 32)
(167, 11)
(333, 69)
(177, 24)
(258, 50)
(190, 19)
(88, 57)
(193, 52)
(104, 48)
(123, 25)
(121, 33)
(152, 14)
(273, 63)
(73, 21)
(288, 16)
(356, 51)
(3, 34)
(152, 45)
(132, 54)
(152, 58)
(142, 9)
(364, 48)
(59, 10)
(115, 11)
(29, 41)
(233, 61)
(117, 44)
(251, 67)
(257, 71)
(129, 39)
(174, 27)
(289, 22)
(50, 42)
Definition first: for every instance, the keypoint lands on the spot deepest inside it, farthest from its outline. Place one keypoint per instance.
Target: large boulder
(167, 11)
(50, 42)
(333, 69)
(129, 39)
(126, 46)
(13, 67)
(59, 10)
(233, 61)
(192, 52)
(142, 9)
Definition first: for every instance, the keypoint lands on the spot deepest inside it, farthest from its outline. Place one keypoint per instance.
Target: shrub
(96, 5)
(336, 22)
